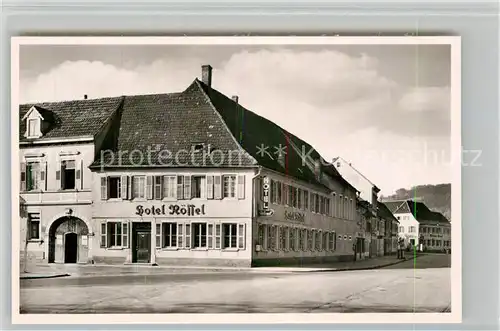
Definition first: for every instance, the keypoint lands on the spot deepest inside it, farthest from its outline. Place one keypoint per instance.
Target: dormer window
(33, 120)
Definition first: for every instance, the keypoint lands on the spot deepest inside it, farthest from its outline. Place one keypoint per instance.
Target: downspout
(254, 213)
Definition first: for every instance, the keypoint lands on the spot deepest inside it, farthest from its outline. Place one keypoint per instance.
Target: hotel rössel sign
(184, 210)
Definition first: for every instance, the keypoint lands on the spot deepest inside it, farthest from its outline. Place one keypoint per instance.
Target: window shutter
(104, 188)
(23, 176)
(284, 193)
(241, 236)
(218, 236)
(149, 186)
(124, 187)
(218, 187)
(210, 187)
(43, 176)
(58, 175)
(158, 235)
(188, 236)
(241, 187)
(125, 234)
(180, 187)
(210, 236)
(104, 240)
(180, 235)
(187, 187)
(78, 175)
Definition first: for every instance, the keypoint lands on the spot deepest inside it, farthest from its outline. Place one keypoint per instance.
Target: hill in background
(436, 197)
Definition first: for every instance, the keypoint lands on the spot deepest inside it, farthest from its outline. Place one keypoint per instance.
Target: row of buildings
(193, 178)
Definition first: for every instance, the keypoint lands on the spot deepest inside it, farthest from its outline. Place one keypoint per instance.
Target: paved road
(400, 288)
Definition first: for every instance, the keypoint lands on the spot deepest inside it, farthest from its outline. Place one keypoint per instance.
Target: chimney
(85, 97)
(235, 98)
(206, 74)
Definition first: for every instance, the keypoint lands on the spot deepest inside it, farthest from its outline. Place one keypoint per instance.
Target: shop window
(33, 226)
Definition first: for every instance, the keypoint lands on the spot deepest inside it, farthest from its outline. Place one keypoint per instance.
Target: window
(199, 235)
(158, 187)
(299, 199)
(302, 242)
(197, 186)
(114, 187)
(33, 226)
(271, 231)
(306, 200)
(399, 217)
(411, 229)
(294, 197)
(290, 201)
(316, 203)
(327, 207)
(169, 234)
(293, 239)
(229, 190)
(169, 187)
(230, 235)
(33, 127)
(401, 229)
(282, 238)
(332, 245)
(278, 193)
(68, 174)
(273, 191)
(32, 176)
(317, 240)
(139, 187)
(261, 235)
(114, 234)
(325, 240)
(310, 240)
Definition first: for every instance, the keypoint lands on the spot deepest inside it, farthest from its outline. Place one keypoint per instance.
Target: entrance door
(142, 243)
(70, 248)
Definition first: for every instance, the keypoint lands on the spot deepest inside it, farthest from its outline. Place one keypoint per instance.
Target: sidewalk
(92, 270)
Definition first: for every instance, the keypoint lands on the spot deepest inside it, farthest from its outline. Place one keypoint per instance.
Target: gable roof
(418, 209)
(339, 158)
(67, 119)
(255, 132)
(384, 212)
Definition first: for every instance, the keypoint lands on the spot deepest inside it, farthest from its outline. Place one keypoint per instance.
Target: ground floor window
(169, 234)
(230, 235)
(33, 231)
(114, 234)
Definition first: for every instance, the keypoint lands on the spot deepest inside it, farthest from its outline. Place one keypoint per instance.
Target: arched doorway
(68, 240)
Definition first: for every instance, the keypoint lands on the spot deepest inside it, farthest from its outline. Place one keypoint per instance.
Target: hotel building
(192, 177)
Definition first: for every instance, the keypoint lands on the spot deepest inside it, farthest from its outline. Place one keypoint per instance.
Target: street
(405, 287)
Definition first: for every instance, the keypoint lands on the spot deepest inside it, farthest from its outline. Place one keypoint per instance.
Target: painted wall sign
(266, 186)
(295, 216)
(184, 210)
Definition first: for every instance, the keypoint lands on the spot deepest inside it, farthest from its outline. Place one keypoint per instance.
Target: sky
(384, 108)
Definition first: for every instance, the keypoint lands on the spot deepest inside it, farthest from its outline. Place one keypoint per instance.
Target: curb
(361, 268)
(41, 276)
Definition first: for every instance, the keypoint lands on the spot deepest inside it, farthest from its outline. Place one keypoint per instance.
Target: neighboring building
(57, 143)
(420, 226)
(368, 192)
(184, 178)
(391, 229)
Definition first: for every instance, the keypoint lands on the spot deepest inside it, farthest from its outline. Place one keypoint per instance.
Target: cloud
(339, 103)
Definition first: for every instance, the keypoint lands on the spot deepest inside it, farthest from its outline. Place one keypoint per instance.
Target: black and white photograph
(270, 179)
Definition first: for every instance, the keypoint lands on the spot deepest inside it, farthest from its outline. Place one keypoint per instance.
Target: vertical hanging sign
(266, 186)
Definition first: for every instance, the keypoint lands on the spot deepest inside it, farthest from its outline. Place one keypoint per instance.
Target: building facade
(179, 178)
(420, 227)
(57, 145)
